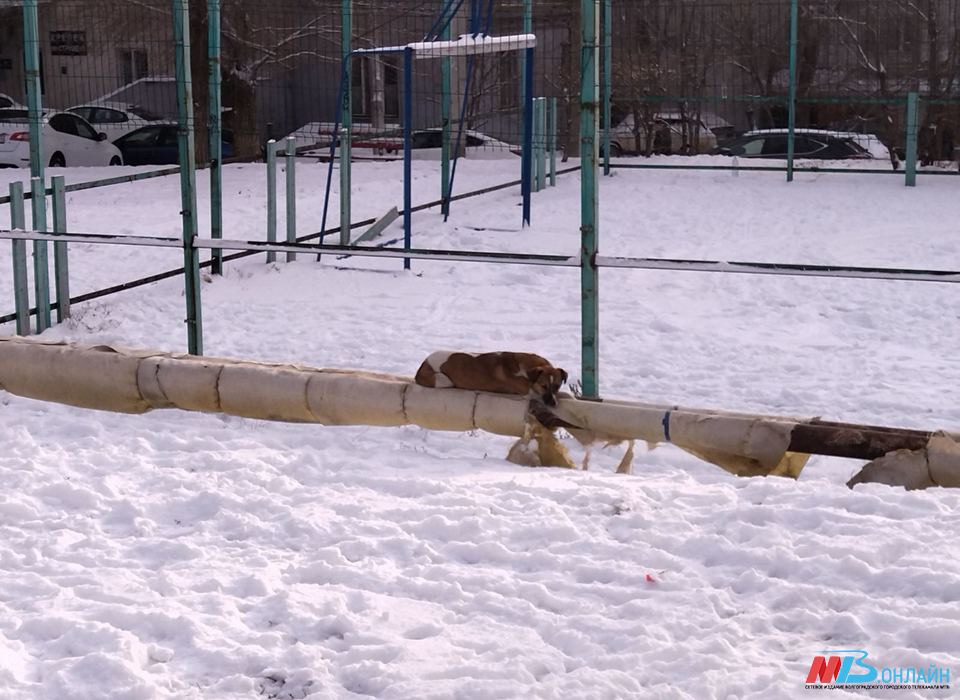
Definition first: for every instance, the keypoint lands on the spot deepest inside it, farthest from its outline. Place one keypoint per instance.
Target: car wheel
(116, 161)
(615, 150)
(57, 160)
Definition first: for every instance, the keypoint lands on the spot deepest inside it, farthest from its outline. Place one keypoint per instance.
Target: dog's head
(546, 382)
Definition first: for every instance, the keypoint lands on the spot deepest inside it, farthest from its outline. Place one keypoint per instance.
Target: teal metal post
(552, 139)
(607, 79)
(188, 172)
(792, 107)
(21, 288)
(446, 88)
(589, 278)
(41, 264)
(291, 158)
(913, 126)
(271, 197)
(31, 62)
(540, 139)
(61, 267)
(215, 132)
(346, 133)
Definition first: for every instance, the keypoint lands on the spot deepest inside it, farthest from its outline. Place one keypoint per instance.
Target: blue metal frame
(408, 152)
(526, 166)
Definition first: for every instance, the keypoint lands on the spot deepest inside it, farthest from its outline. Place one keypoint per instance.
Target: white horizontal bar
(749, 268)
(789, 270)
(468, 45)
(104, 238)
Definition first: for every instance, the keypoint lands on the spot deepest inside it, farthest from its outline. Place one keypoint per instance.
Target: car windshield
(138, 111)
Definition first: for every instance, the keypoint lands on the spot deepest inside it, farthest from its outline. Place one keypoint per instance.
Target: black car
(821, 145)
(157, 145)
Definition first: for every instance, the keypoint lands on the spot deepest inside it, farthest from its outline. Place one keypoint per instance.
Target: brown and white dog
(518, 373)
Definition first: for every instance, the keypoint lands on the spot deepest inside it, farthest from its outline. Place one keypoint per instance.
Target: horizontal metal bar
(787, 269)
(413, 253)
(106, 182)
(622, 262)
(101, 238)
(775, 169)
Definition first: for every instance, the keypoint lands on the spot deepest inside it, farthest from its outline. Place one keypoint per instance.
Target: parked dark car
(808, 143)
(157, 145)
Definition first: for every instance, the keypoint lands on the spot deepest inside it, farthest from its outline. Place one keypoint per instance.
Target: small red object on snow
(651, 579)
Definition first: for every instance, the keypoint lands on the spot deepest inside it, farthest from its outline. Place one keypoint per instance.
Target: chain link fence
(685, 76)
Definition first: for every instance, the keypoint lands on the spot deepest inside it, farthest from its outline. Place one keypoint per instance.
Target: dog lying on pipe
(519, 373)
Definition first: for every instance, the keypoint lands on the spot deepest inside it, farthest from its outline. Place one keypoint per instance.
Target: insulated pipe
(137, 381)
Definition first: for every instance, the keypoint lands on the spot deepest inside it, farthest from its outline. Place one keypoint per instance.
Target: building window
(363, 87)
(133, 65)
(509, 80)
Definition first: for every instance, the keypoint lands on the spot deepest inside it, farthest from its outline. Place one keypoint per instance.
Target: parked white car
(114, 119)
(7, 102)
(670, 133)
(67, 140)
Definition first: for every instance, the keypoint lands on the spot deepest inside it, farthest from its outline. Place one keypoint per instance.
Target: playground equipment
(435, 45)
(137, 381)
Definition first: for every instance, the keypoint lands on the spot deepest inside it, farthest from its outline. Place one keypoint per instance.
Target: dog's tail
(547, 418)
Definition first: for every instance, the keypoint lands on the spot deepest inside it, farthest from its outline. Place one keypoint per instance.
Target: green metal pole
(607, 80)
(61, 267)
(552, 139)
(792, 107)
(540, 139)
(41, 265)
(291, 158)
(913, 123)
(21, 287)
(271, 197)
(31, 62)
(446, 88)
(346, 134)
(589, 277)
(188, 168)
(215, 132)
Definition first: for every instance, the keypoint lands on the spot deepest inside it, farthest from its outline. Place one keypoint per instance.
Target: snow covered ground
(179, 555)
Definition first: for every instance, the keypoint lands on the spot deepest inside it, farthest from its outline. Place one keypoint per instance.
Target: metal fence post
(526, 165)
(291, 160)
(271, 197)
(913, 124)
(792, 107)
(589, 278)
(31, 62)
(407, 152)
(21, 288)
(526, 91)
(346, 133)
(215, 132)
(552, 138)
(61, 267)
(41, 264)
(446, 88)
(540, 142)
(607, 79)
(188, 182)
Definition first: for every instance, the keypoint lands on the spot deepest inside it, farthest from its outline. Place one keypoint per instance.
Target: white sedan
(115, 119)
(67, 140)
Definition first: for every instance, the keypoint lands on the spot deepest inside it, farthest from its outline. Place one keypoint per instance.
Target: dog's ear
(563, 375)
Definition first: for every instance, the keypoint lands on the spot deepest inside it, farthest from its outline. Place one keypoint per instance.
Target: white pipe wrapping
(137, 381)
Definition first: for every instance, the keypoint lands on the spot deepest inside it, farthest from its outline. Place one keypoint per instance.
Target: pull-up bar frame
(466, 45)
